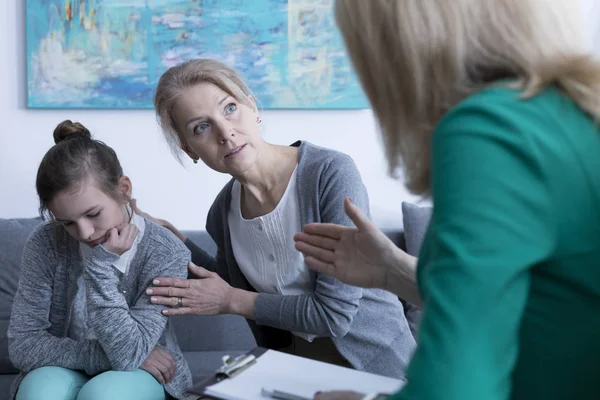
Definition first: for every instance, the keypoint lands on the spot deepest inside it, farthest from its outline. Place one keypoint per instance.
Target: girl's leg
(51, 383)
(123, 385)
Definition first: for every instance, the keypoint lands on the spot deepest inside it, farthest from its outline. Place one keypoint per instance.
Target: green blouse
(510, 267)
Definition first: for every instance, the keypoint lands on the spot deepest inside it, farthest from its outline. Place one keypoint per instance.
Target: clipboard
(231, 367)
(269, 374)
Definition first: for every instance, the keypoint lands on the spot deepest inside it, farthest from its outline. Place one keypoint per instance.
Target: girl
(81, 326)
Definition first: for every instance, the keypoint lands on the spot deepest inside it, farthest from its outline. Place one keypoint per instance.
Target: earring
(258, 119)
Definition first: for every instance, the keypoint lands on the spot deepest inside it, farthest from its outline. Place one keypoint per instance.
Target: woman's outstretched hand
(361, 255)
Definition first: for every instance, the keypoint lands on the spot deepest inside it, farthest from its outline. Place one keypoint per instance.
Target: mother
(206, 110)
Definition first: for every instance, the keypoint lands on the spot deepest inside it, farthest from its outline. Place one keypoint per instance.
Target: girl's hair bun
(70, 130)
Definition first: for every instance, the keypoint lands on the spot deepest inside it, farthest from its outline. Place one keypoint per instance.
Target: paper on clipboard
(300, 376)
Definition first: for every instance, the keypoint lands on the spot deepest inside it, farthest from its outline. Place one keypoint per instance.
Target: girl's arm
(30, 344)
(128, 334)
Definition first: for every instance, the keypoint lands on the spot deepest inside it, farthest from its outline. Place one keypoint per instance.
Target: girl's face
(88, 213)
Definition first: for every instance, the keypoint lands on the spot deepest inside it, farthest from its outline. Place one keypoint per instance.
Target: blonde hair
(418, 58)
(189, 73)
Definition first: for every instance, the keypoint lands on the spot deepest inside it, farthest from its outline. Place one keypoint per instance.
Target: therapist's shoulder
(505, 109)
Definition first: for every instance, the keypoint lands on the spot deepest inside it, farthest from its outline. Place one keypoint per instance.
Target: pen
(281, 395)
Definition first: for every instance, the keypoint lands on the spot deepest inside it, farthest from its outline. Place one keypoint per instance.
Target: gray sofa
(204, 340)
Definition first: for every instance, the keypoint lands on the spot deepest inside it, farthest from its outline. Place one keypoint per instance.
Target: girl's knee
(51, 383)
(122, 385)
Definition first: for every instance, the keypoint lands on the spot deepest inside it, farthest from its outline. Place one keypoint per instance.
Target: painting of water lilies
(111, 53)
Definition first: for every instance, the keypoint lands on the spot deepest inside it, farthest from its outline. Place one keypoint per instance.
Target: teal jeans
(56, 383)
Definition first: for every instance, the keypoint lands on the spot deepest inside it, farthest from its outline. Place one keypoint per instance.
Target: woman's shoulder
(505, 114)
(221, 203)
(509, 103)
(312, 154)
(316, 163)
(331, 176)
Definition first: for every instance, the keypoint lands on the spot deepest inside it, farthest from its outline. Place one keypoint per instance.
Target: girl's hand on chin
(121, 238)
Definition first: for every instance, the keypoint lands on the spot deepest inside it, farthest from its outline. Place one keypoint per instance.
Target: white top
(264, 247)
(78, 328)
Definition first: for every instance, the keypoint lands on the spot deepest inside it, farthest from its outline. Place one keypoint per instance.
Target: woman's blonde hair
(189, 73)
(418, 58)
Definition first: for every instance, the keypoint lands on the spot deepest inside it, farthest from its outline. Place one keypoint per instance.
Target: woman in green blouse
(491, 108)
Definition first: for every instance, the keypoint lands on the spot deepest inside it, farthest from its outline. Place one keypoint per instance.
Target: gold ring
(180, 302)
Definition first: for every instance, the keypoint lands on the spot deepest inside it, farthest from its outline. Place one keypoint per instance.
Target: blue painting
(111, 53)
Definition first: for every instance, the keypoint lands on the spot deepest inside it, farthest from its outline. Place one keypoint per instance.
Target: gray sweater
(127, 325)
(367, 326)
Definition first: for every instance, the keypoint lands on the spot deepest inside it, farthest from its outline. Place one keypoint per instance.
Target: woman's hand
(339, 395)
(161, 365)
(162, 222)
(120, 239)
(360, 256)
(209, 294)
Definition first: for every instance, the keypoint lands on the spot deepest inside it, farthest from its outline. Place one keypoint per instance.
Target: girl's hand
(121, 238)
(161, 365)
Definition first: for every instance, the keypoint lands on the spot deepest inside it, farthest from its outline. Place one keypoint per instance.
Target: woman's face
(218, 129)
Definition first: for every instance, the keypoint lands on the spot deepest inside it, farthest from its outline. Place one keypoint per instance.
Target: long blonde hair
(418, 58)
(189, 73)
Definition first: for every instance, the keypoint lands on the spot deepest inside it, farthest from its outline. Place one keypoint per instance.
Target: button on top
(271, 257)
(260, 227)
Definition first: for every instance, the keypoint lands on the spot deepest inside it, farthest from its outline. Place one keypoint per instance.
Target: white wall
(163, 187)
(591, 20)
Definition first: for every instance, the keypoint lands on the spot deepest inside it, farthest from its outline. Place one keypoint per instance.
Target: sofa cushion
(416, 220)
(5, 384)
(203, 240)
(219, 332)
(13, 234)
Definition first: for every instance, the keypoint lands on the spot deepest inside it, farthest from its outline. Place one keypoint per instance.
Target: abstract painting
(111, 53)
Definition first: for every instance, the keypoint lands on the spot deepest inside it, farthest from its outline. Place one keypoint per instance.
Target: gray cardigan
(367, 326)
(127, 325)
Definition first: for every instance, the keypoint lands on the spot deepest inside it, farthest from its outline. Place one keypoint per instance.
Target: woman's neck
(264, 184)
